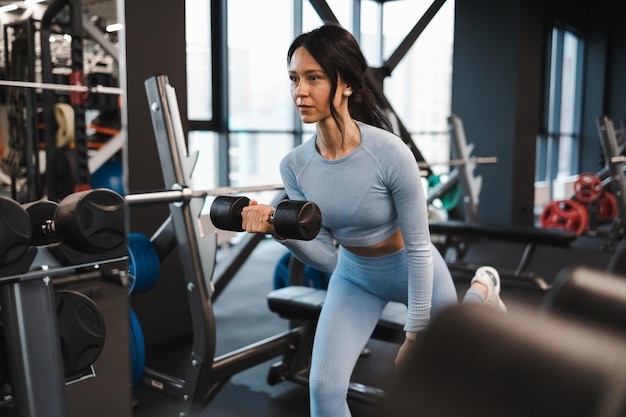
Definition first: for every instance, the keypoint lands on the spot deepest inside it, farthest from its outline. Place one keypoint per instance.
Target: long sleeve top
(364, 198)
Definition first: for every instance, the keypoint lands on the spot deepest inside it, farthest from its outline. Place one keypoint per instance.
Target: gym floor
(242, 318)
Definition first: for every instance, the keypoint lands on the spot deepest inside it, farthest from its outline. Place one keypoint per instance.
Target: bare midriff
(388, 246)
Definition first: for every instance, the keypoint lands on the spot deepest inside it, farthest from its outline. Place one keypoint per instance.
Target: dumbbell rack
(30, 328)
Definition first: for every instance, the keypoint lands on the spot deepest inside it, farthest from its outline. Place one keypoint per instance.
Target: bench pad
(513, 233)
(305, 303)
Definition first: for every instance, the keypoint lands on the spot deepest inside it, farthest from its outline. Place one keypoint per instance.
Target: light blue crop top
(364, 198)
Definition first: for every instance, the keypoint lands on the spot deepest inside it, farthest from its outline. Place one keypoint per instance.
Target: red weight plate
(607, 206)
(565, 215)
(588, 187)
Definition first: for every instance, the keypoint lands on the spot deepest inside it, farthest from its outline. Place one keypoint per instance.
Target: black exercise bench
(300, 303)
(458, 235)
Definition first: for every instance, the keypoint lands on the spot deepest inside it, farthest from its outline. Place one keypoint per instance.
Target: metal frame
(31, 154)
(31, 333)
(205, 374)
(614, 173)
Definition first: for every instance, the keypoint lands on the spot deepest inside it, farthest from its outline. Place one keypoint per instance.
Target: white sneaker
(490, 278)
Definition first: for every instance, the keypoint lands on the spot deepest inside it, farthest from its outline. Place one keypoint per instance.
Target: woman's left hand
(405, 350)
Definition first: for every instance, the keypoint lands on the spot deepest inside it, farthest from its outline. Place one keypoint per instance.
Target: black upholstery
(512, 233)
(300, 303)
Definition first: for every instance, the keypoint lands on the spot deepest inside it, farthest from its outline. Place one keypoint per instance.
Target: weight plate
(137, 348)
(143, 264)
(81, 330)
(565, 215)
(607, 207)
(588, 187)
(451, 198)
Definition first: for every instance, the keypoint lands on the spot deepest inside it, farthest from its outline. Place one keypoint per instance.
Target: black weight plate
(82, 330)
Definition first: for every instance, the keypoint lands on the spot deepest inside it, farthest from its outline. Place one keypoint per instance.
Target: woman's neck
(331, 145)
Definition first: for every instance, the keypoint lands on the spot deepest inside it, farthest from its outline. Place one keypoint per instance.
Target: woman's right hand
(256, 218)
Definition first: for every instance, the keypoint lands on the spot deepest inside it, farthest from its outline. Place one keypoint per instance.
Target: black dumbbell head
(41, 214)
(226, 211)
(297, 219)
(15, 231)
(92, 221)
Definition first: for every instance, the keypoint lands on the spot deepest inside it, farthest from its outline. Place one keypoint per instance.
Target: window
(558, 146)
(262, 123)
(198, 35)
(419, 88)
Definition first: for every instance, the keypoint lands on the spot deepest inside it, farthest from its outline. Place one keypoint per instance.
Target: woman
(366, 182)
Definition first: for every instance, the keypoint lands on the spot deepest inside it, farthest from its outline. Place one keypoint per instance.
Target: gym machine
(201, 375)
(63, 99)
(461, 181)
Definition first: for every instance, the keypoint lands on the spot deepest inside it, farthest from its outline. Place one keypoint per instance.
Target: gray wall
(497, 88)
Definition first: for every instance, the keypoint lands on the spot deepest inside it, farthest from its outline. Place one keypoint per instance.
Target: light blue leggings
(358, 291)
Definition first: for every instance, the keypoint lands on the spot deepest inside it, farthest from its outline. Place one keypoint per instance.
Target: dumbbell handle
(48, 228)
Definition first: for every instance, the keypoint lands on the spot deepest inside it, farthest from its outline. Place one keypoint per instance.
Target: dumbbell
(292, 219)
(15, 231)
(41, 215)
(89, 221)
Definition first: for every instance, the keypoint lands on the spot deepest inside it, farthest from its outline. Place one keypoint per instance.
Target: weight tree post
(32, 343)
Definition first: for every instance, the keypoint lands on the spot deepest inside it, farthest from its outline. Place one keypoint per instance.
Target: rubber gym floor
(242, 318)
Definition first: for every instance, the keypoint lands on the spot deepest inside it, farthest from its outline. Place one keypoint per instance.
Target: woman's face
(310, 88)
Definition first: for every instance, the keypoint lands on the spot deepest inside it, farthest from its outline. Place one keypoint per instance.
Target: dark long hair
(339, 55)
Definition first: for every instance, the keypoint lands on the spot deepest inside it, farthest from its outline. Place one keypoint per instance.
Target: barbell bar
(98, 89)
(458, 162)
(184, 194)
